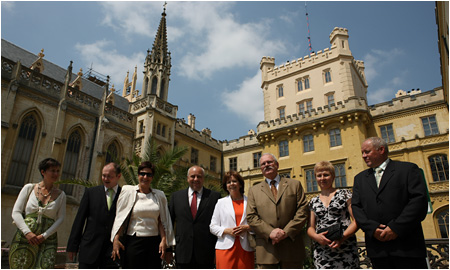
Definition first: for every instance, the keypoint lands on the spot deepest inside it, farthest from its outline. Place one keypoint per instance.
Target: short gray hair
(268, 154)
(378, 142)
(203, 170)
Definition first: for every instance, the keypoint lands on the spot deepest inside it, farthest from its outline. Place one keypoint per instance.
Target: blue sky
(217, 46)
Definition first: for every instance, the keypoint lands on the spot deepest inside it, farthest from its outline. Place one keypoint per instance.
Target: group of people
(136, 227)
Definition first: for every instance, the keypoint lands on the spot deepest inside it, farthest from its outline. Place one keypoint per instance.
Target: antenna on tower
(309, 34)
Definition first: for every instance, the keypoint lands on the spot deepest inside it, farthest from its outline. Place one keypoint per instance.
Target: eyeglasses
(148, 174)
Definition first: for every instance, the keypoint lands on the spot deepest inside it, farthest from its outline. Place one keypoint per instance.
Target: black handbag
(334, 231)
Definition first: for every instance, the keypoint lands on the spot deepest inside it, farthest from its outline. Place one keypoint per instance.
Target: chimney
(191, 120)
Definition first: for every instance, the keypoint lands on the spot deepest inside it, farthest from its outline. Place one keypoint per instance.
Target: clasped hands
(383, 233)
(237, 231)
(34, 239)
(277, 235)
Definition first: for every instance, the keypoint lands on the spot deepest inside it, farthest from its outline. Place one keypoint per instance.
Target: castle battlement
(201, 136)
(241, 143)
(351, 104)
(407, 102)
(308, 61)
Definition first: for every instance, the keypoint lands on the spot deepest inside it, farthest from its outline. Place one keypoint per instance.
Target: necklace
(44, 195)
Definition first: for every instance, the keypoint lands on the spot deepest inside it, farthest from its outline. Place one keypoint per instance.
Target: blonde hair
(324, 166)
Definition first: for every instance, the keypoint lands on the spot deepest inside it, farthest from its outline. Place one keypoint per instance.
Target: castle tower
(157, 64)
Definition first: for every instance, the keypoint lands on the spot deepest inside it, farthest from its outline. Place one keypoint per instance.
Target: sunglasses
(148, 174)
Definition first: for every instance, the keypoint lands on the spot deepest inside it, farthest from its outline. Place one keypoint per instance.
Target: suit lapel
(387, 175)
(281, 187)
(265, 188)
(102, 194)
(203, 201)
(230, 209)
(185, 202)
(113, 206)
(370, 179)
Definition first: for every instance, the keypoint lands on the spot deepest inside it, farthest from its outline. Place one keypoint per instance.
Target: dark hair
(116, 167)
(146, 164)
(238, 177)
(47, 163)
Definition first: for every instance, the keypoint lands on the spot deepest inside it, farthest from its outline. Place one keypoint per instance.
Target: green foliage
(165, 178)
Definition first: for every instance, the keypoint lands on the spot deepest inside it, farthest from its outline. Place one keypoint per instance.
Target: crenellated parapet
(407, 102)
(339, 47)
(347, 111)
(241, 143)
(203, 136)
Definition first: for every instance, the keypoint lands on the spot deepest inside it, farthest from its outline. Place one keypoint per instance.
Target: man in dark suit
(389, 202)
(277, 211)
(91, 229)
(191, 211)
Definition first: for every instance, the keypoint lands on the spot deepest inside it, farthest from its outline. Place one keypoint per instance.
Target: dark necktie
(194, 204)
(273, 188)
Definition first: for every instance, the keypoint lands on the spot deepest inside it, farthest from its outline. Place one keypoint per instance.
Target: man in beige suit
(277, 210)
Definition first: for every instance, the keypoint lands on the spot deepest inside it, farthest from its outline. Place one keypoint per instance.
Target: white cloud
(206, 35)
(247, 100)
(109, 62)
(131, 17)
(376, 60)
(217, 41)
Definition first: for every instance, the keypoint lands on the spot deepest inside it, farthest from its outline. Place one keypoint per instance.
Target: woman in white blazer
(143, 217)
(229, 224)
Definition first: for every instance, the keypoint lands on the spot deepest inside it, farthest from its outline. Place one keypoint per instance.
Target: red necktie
(194, 204)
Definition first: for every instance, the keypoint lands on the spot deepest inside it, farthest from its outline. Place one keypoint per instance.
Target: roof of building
(26, 58)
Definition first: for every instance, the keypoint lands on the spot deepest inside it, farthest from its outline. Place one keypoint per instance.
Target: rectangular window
(212, 163)
(194, 156)
(330, 99)
(335, 137)
(429, 125)
(340, 179)
(233, 164)
(284, 148)
(327, 76)
(280, 91)
(141, 127)
(301, 107)
(281, 112)
(387, 133)
(256, 157)
(163, 131)
(299, 85)
(308, 143)
(158, 129)
(311, 184)
(306, 83)
(309, 105)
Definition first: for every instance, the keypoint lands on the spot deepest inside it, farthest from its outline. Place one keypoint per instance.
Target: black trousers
(104, 260)
(395, 262)
(142, 252)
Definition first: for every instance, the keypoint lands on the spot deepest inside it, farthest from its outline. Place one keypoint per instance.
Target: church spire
(158, 63)
(159, 53)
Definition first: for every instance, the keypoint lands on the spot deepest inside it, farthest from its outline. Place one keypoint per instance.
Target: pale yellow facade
(60, 107)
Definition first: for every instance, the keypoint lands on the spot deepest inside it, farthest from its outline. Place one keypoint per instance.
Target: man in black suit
(389, 202)
(91, 229)
(195, 245)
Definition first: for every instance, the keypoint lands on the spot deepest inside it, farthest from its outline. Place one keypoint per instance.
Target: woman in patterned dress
(35, 242)
(229, 224)
(331, 207)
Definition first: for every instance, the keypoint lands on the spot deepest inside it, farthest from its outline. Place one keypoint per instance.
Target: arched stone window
(441, 219)
(439, 167)
(112, 153)
(22, 151)
(154, 85)
(71, 160)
